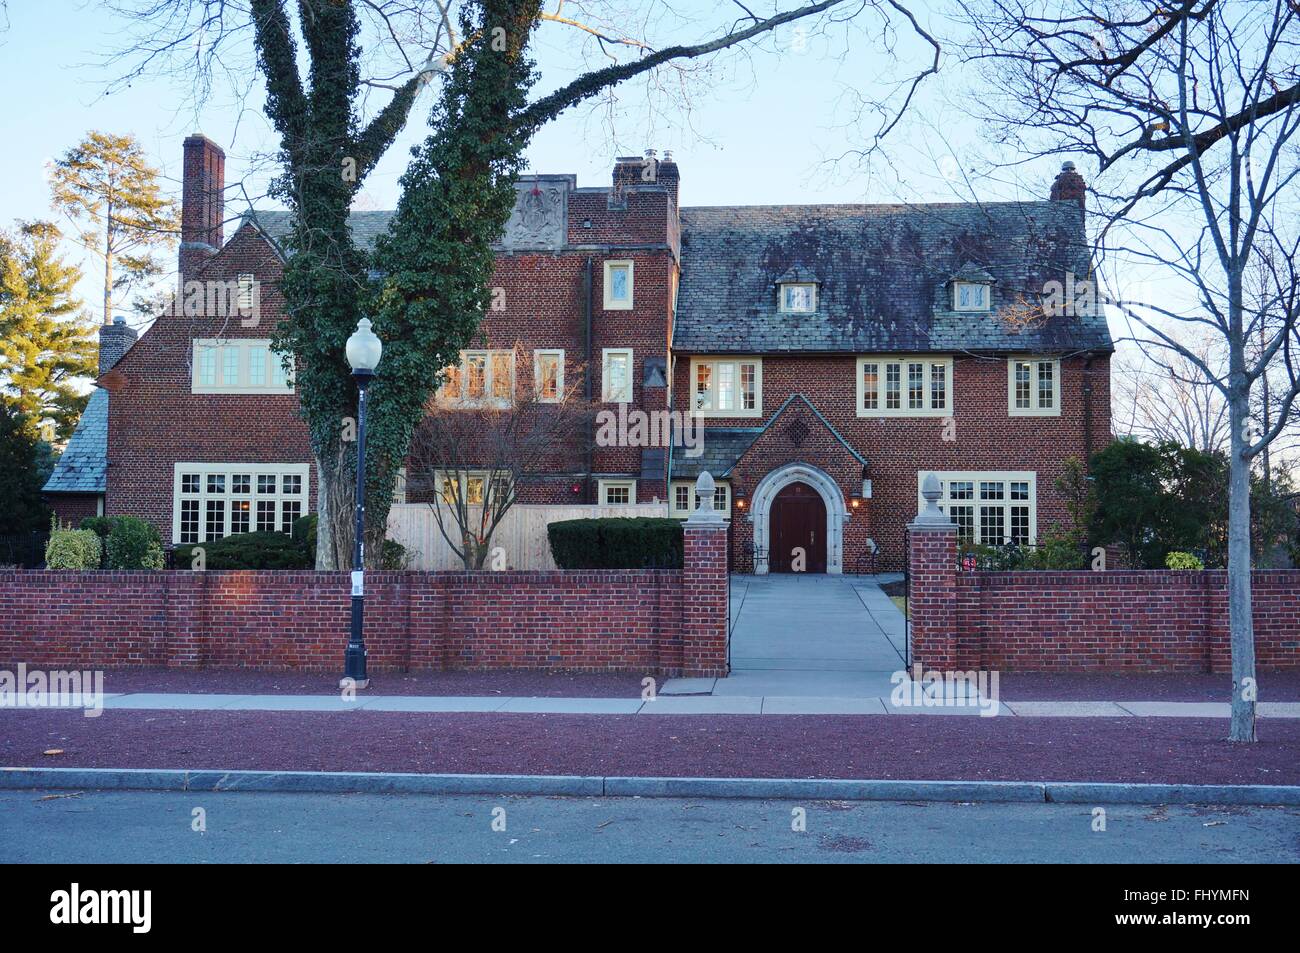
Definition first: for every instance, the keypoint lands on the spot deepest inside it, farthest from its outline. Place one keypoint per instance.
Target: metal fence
(24, 549)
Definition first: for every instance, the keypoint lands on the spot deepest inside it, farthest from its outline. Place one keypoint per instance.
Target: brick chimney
(669, 177)
(1069, 186)
(627, 173)
(114, 341)
(203, 205)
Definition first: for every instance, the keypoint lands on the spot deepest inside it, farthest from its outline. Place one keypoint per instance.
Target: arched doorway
(798, 530)
(836, 515)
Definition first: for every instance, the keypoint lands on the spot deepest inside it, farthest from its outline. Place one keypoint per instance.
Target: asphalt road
(143, 827)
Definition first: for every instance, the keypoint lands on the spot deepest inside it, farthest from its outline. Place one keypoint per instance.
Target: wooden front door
(797, 522)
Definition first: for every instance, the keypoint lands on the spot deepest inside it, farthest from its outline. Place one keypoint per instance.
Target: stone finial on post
(704, 511)
(705, 587)
(932, 581)
(929, 514)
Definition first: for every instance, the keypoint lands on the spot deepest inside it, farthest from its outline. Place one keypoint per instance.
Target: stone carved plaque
(540, 218)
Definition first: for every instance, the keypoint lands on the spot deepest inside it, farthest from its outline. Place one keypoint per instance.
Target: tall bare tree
(1161, 396)
(1188, 112)
(475, 451)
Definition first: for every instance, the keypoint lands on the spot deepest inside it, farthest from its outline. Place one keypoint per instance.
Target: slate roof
(83, 465)
(724, 446)
(366, 225)
(884, 273)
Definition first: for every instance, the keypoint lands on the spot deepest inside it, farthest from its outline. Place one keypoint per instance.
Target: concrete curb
(361, 782)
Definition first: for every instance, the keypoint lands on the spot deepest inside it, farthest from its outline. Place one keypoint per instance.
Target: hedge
(616, 543)
(247, 551)
(296, 550)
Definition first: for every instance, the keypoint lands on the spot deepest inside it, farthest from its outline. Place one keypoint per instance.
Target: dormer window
(798, 297)
(970, 296)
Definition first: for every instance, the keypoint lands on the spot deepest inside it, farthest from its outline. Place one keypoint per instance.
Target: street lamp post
(363, 352)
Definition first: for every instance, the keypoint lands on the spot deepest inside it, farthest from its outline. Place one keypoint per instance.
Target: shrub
(394, 556)
(101, 526)
(73, 549)
(1178, 560)
(1058, 549)
(248, 551)
(133, 544)
(616, 543)
(304, 535)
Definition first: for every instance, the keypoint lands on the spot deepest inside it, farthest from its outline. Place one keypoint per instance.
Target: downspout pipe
(586, 382)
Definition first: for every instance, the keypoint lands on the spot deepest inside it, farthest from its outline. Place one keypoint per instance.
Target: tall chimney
(203, 205)
(669, 176)
(114, 340)
(1069, 186)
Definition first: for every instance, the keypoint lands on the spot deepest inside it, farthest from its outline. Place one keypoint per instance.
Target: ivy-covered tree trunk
(325, 159)
(436, 262)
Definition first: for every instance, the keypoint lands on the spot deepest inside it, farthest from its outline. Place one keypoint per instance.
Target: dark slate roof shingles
(84, 463)
(883, 272)
(722, 447)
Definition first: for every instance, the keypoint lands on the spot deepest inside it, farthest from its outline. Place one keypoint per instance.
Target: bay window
(214, 500)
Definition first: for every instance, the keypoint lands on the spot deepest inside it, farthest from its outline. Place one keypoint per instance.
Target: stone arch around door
(837, 513)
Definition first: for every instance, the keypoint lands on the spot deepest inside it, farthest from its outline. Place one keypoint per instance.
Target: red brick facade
(1142, 621)
(547, 297)
(896, 448)
(647, 621)
(72, 508)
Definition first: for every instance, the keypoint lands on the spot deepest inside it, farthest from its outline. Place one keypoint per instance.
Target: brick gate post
(705, 587)
(932, 582)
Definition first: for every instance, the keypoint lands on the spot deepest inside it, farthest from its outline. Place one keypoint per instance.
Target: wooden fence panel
(522, 533)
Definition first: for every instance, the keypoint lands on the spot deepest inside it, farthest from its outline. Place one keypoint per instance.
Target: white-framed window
(681, 503)
(616, 492)
(618, 285)
(970, 296)
(237, 366)
(214, 500)
(797, 297)
(483, 379)
(616, 375)
(548, 375)
(1033, 387)
(991, 508)
(471, 485)
(727, 387)
(399, 486)
(914, 386)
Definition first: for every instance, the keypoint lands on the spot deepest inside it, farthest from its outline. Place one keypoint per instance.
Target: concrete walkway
(714, 704)
(809, 636)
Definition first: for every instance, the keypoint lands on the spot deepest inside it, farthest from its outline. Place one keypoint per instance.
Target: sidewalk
(703, 704)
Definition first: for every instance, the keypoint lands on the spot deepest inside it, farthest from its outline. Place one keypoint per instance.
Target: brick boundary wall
(663, 622)
(1140, 621)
